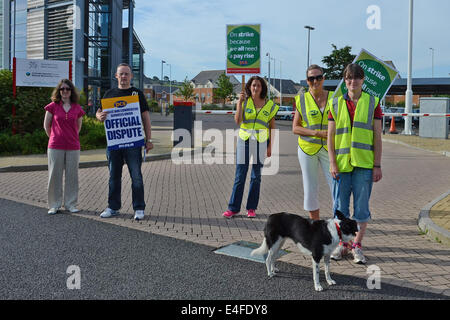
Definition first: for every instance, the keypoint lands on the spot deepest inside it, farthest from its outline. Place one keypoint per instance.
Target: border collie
(315, 238)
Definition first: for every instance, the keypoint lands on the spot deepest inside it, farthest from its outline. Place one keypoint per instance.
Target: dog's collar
(338, 231)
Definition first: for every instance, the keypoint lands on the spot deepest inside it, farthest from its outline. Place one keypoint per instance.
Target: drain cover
(242, 249)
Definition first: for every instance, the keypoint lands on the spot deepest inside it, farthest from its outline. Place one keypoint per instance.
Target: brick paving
(186, 202)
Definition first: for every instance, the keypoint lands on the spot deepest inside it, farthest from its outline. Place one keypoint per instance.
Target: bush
(22, 144)
(92, 136)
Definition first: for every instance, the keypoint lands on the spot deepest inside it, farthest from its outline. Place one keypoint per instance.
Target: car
(394, 110)
(285, 116)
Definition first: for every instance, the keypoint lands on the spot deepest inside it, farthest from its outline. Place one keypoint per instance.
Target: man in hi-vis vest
(354, 147)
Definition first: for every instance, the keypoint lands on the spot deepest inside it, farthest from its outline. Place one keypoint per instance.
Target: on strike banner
(243, 49)
(123, 125)
(379, 76)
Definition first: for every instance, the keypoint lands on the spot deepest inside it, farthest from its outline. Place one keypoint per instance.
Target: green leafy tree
(224, 88)
(186, 90)
(337, 61)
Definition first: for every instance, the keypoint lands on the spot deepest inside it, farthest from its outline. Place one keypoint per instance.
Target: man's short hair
(123, 64)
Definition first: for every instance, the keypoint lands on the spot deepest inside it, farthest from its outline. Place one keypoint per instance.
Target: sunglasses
(318, 78)
(65, 89)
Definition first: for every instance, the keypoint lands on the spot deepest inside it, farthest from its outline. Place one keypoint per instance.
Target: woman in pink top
(62, 123)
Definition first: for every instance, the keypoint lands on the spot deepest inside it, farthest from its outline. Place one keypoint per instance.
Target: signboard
(123, 124)
(379, 76)
(243, 49)
(40, 73)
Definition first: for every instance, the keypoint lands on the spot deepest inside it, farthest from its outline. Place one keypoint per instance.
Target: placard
(123, 124)
(379, 76)
(243, 49)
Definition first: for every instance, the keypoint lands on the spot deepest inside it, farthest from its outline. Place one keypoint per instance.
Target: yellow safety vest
(313, 119)
(354, 144)
(256, 123)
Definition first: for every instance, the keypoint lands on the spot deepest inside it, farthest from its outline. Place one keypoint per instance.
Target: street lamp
(432, 62)
(281, 88)
(162, 66)
(274, 73)
(170, 82)
(162, 82)
(309, 30)
(268, 55)
(409, 93)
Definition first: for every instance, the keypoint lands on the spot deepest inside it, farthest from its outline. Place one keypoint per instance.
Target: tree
(186, 91)
(337, 61)
(224, 88)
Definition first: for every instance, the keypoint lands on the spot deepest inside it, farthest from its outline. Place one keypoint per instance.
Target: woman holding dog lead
(62, 124)
(311, 125)
(354, 146)
(256, 118)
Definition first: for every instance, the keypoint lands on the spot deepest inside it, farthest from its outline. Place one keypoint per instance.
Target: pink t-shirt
(64, 133)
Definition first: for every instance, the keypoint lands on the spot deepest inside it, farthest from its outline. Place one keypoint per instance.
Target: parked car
(394, 110)
(416, 119)
(285, 116)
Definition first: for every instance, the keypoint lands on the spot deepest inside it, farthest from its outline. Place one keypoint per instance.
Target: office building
(89, 33)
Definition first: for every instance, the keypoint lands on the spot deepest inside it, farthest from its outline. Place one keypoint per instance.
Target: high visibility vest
(354, 144)
(314, 119)
(256, 123)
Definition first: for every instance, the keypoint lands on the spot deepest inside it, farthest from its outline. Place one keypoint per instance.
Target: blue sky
(190, 34)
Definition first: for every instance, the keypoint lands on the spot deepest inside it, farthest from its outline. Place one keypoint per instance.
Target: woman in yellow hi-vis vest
(311, 125)
(354, 146)
(256, 118)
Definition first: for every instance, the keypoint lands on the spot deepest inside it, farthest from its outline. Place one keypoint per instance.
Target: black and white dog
(315, 238)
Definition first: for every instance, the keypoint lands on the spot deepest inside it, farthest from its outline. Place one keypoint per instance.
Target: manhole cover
(242, 249)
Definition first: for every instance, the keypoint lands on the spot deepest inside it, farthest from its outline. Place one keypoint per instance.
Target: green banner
(243, 49)
(379, 76)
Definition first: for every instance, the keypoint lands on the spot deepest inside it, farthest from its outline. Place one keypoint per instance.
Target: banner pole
(243, 83)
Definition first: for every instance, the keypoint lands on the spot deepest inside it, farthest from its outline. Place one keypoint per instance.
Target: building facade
(89, 33)
(206, 82)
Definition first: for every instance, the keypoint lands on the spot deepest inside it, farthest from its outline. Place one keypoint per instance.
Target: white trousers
(63, 162)
(310, 173)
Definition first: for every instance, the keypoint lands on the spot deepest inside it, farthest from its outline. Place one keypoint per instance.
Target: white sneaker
(53, 211)
(358, 256)
(339, 252)
(73, 210)
(139, 215)
(108, 213)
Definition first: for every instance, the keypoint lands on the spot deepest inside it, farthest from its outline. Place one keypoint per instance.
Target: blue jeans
(243, 152)
(116, 159)
(359, 182)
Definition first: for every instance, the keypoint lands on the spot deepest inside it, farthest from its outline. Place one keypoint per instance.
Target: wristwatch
(148, 140)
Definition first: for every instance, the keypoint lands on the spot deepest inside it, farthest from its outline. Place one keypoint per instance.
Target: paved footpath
(186, 202)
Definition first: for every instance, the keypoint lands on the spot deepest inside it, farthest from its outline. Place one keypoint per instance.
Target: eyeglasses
(65, 89)
(318, 78)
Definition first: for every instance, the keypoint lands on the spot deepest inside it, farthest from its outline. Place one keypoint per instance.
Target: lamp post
(162, 82)
(309, 30)
(162, 67)
(170, 83)
(274, 73)
(281, 88)
(268, 55)
(409, 93)
(432, 62)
